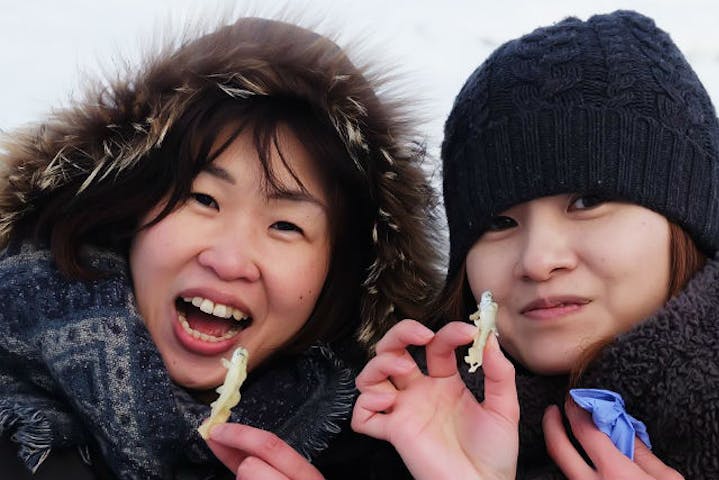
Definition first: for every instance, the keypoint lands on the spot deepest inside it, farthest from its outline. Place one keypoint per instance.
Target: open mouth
(211, 322)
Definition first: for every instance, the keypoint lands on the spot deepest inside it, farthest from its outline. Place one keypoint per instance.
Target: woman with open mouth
(245, 188)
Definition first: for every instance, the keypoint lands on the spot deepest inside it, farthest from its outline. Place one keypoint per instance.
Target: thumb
(230, 457)
(651, 464)
(500, 389)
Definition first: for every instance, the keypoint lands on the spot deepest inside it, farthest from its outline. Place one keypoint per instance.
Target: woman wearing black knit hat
(581, 183)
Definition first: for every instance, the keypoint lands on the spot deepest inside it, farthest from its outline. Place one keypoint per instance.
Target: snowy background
(46, 45)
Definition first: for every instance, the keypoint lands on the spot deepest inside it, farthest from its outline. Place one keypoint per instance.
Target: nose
(548, 249)
(231, 256)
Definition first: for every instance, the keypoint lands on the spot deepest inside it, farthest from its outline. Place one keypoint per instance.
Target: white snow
(46, 44)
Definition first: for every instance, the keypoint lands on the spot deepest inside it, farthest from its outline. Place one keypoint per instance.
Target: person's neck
(204, 396)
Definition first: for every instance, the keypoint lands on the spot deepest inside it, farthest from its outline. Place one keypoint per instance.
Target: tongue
(208, 324)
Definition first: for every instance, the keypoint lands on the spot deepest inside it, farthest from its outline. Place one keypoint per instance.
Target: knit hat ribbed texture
(609, 106)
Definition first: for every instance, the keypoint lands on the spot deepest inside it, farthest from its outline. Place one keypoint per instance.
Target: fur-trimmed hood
(116, 124)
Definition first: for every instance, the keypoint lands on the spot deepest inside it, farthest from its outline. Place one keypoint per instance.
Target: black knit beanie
(609, 106)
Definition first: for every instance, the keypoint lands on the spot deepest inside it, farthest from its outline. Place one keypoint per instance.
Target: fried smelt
(229, 391)
(485, 318)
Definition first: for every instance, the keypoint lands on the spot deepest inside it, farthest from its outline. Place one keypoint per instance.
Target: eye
(284, 226)
(204, 199)
(587, 201)
(500, 222)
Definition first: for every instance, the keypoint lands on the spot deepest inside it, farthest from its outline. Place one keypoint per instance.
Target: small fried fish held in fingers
(485, 318)
(229, 391)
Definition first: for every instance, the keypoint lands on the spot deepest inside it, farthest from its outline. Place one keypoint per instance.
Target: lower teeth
(203, 336)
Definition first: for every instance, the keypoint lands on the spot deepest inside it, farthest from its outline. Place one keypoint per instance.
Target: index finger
(386, 367)
(268, 447)
(254, 468)
(405, 333)
(441, 358)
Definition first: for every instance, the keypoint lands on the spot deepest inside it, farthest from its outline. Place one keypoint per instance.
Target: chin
(544, 367)
(197, 381)
(551, 371)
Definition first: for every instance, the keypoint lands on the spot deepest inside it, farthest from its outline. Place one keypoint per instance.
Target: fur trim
(343, 399)
(118, 123)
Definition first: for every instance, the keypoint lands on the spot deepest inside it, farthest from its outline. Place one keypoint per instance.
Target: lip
(201, 347)
(546, 308)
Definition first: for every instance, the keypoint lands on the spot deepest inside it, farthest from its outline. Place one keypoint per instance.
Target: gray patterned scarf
(79, 369)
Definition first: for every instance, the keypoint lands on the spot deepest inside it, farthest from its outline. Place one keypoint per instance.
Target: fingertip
(574, 410)
(493, 343)
(639, 446)
(217, 432)
(421, 336)
(578, 417)
(456, 334)
(571, 409)
(377, 401)
(419, 328)
(404, 333)
(496, 359)
(366, 419)
(551, 412)
(423, 332)
(468, 330)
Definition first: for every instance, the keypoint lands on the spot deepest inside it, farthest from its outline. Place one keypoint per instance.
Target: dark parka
(117, 125)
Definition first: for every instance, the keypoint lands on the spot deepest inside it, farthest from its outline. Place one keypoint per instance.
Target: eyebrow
(295, 196)
(221, 173)
(276, 194)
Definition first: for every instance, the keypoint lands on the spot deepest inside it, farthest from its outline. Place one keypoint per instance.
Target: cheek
(314, 279)
(635, 268)
(297, 285)
(143, 272)
(645, 250)
(148, 250)
(164, 243)
(488, 269)
(138, 255)
(152, 254)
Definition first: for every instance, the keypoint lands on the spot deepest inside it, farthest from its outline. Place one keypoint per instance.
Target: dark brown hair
(685, 259)
(456, 301)
(107, 214)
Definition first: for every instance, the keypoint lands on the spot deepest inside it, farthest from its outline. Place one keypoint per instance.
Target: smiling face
(238, 264)
(569, 271)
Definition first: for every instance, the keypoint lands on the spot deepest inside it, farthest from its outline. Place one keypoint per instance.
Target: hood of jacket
(115, 124)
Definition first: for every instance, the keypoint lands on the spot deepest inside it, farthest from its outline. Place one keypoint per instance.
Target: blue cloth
(609, 415)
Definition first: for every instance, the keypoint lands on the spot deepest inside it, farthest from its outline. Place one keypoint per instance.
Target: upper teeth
(216, 309)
